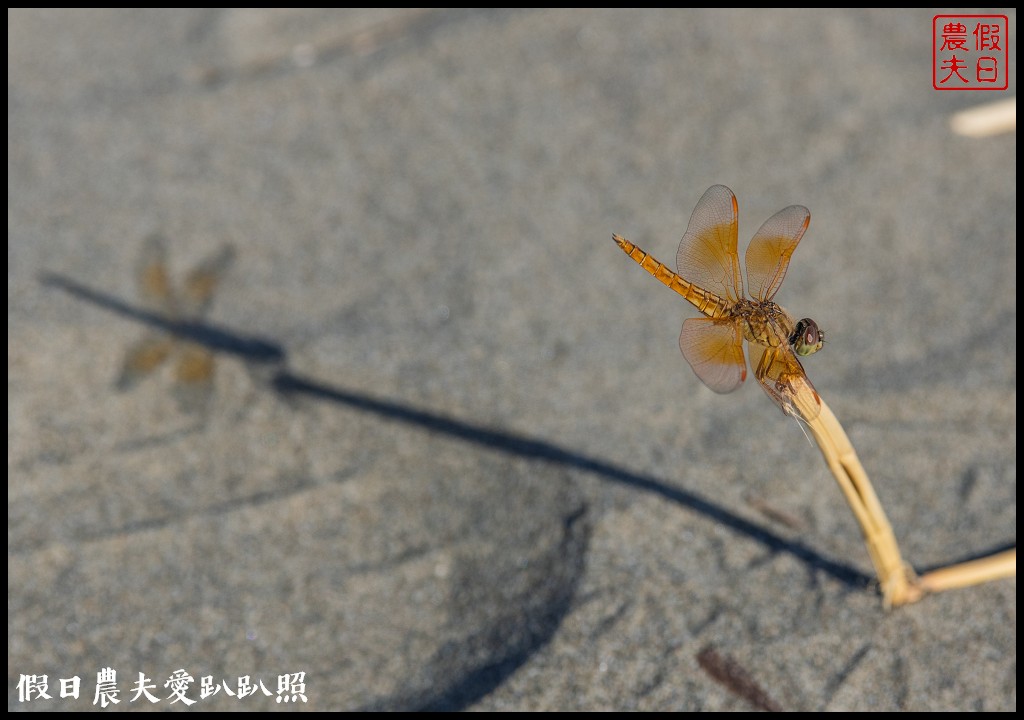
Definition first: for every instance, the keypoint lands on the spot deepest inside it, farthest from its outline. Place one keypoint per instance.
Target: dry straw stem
(897, 580)
(988, 119)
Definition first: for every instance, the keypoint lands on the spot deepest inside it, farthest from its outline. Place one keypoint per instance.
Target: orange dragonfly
(709, 278)
(195, 361)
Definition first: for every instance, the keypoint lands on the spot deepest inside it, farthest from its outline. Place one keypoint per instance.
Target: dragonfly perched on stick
(709, 278)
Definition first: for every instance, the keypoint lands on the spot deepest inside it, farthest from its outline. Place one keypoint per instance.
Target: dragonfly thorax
(764, 323)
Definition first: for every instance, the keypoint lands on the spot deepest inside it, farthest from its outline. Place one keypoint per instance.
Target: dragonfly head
(807, 337)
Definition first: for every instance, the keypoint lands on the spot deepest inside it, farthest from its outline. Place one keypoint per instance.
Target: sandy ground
(451, 456)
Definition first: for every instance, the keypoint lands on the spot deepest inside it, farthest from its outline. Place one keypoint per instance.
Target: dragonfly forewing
(707, 255)
(771, 249)
(143, 357)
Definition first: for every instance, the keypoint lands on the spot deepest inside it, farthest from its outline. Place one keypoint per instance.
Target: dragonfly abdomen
(707, 302)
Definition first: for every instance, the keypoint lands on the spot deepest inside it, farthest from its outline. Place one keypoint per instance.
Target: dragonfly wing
(783, 378)
(194, 376)
(144, 357)
(714, 349)
(769, 252)
(152, 277)
(707, 255)
(201, 283)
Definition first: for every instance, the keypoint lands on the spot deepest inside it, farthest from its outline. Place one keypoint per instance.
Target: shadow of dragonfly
(176, 325)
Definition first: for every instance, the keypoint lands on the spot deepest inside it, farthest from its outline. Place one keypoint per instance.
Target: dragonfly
(179, 307)
(708, 276)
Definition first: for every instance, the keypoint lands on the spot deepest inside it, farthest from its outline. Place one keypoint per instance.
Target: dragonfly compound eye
(807, 337)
